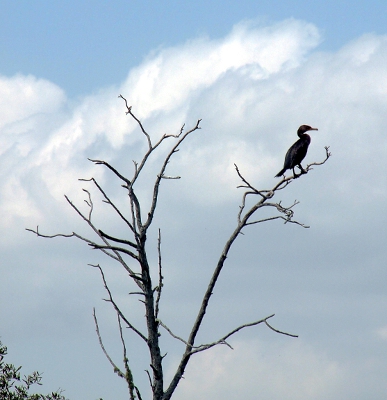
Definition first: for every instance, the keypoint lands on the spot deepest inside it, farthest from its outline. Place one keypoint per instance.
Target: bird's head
(305, 128)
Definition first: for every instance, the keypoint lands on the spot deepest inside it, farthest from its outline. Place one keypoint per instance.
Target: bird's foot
(302, 171)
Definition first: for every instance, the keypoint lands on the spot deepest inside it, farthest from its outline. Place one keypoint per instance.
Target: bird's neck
(303, 135)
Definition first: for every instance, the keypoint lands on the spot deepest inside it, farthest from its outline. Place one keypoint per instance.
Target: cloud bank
(252, 89)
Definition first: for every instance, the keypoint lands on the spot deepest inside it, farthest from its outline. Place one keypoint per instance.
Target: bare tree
(143, 274)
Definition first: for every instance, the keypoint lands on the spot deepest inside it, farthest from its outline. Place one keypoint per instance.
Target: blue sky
(85, 45)
(254, 72)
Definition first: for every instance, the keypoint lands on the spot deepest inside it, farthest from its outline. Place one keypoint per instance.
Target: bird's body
(297, 151)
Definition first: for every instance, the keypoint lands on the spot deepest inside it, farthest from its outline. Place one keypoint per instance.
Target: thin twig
(248, 185)
(151, 148)
(114, 248)
(161, 173)
(224, 338)
(128, 372)
(37, 233)
(129, 108)
(76, 235)
(114, 239)
(115, 368)
(108, 201)
(281, 332)
(149, 378)
(89, 203)
(106, 164)
(328, 154)
(172, 334)
(118, 310)
(138, 393)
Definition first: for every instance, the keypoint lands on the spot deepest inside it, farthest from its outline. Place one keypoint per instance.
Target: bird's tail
(281, 172)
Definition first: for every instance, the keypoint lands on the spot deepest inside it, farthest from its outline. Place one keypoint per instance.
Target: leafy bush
(13, 387)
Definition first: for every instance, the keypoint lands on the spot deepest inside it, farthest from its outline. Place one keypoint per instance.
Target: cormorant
(297, 151)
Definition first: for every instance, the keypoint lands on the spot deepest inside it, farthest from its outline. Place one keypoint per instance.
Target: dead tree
(140, 271)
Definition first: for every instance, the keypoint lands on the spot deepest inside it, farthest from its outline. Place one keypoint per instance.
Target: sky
(253, 72)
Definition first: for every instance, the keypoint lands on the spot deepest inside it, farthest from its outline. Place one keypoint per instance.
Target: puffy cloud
(290, 371)
(25, 96)
(252, 89)
(174, 75)
(49, 137)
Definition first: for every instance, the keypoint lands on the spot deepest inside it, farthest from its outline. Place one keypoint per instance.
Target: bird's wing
(296, 153)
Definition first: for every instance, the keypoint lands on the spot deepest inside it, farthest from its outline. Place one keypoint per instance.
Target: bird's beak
(313, 129)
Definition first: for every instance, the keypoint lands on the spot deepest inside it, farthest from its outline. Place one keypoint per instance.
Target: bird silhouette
(297, 151)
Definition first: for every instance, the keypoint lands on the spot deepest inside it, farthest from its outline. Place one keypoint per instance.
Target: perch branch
(243, 220)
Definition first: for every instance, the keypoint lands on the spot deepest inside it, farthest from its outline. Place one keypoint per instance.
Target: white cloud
(24, 96)
(17, 202)
(382, 333)
(248, 117)
(167, 80)
(254, 369)
(167, 83)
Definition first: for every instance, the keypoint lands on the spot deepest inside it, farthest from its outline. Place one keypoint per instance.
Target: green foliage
(13, 387)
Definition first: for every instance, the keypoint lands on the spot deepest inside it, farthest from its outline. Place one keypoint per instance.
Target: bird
(297, 151)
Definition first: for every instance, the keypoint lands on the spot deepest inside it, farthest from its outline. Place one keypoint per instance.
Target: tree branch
(277, 331)
(114, 239)
(243, 220)
(160, 285)
(224, 338)
(129, 108)
(115, 368)
(161, 173)
(114, 248)
(106, 164)
(108, 201)
(128, 372)
(328, 154)
(151, 147)
(119, 312)
(171, 333)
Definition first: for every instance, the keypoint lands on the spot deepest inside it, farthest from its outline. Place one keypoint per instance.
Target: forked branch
(202, 347)
(243, 221)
